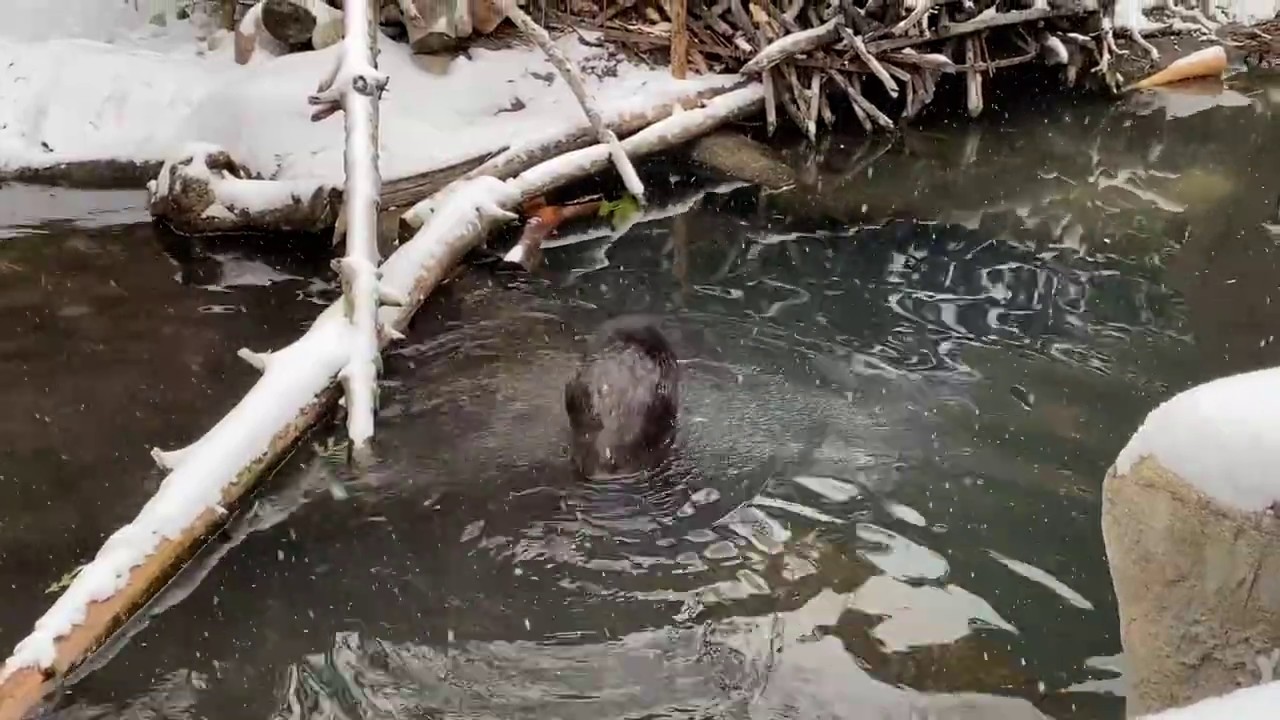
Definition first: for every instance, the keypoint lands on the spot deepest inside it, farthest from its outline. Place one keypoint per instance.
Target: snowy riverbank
(141, 93)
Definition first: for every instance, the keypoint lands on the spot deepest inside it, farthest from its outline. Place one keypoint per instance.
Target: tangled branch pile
(885, 58)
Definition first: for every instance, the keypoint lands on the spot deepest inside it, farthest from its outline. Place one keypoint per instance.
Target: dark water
(905, 380)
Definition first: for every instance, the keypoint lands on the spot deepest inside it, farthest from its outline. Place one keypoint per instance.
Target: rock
(287, 21)
(1197, 584)
(741, 158)
(251, 35)
(206, 191)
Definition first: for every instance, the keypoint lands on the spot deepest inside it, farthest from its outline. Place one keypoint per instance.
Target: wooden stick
(542, 223)
(792, 97)
(791, 45)
(858, 112)
(770, 101)
(973, 80)
(983, 22)
(815, 103)
(358, 269)
(1141, 42)
(922, 8)
(867, 58)
(573, 78)
(861, 102)
(679, 39)
(936, 61)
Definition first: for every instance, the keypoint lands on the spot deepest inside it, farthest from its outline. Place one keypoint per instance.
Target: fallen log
(516, 159)
(682, 127)
(297, 387)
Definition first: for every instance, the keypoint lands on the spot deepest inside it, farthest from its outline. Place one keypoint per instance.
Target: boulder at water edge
(1194, 544)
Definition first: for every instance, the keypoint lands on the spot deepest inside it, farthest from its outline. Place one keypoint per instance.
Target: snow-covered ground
(101, 83)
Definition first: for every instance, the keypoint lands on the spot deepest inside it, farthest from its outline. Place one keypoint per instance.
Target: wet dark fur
(623, 401)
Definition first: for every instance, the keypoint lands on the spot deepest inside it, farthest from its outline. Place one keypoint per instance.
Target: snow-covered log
(520, 157)
(573, 79)
(357, 86)
(204, 190)
(297, 385)
(1193, 542)
(663, 135)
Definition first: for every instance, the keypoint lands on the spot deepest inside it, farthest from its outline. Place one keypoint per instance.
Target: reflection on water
(884, 499)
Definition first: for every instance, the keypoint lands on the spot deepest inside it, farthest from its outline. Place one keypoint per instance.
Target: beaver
(623, 400)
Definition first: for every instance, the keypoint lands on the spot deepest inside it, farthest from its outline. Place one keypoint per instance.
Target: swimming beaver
(622, 402)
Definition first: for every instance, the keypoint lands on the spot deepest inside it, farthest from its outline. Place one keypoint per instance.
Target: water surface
(905, 381)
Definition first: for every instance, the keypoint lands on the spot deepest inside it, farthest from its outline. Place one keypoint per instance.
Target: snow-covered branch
(573, 78)
(357, 86)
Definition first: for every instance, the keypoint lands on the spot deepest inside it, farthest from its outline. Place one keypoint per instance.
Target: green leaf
(620, 211)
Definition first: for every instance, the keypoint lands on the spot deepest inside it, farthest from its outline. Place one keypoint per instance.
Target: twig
(857, 109)
(542, 223)
(791, 98)
(876, 68)
(922, 8)
(573, 78)
(815, 104)
(1141, 42)
(770, 101)
(791, 45)
(935, 61)
(973, 81)
(861, 102)
(1055, 51)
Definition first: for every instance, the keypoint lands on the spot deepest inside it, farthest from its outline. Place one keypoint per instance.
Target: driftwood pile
(884, 58)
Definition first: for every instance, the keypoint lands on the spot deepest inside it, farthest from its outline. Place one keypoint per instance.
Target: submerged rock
(742, 158)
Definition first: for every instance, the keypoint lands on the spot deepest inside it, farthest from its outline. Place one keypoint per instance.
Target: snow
(1222, 437)
(139, 93)
(104, 20)
(1252, 703)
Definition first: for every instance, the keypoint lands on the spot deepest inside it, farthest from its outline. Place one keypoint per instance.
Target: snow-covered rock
(203, 190)
(1194, 545)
